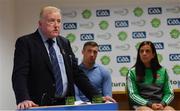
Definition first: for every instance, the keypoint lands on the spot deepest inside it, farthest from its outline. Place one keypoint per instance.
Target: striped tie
(56, 68)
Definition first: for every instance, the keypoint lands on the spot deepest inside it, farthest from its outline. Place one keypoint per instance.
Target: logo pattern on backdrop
(119, 31)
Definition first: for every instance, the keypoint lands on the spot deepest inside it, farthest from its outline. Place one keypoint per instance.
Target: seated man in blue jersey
(97, 74)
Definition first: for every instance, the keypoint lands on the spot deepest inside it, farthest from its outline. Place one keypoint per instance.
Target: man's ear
(39, 22)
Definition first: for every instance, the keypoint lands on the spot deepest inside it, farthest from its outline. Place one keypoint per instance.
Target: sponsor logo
(121, 23)
(154, 10)
(175, 33)
(160, 57)
(105, 48)
(123, 47)
(137, 45)
(105, 36)
(103, 25)
(71, 14)
(86, 14)
(69, 26)
(102, 13)
(122, 36)
(139, 23)
(174, 10)
(173, 21)
(105, 60)
(88, 36)
(138, 11)
(155, 22)
(71, 37)
(140, 34)
(176, 69)
(70, 100)
(119, 84)
(174, 82)
(75, 48)
(122, 12)
(174, 57)
(110, 70)
(123, 59)
(159, 45)
(174, 45)
(123, 71)
(157, 34)
(88, 25)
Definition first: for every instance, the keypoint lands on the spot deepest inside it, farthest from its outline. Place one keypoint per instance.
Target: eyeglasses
(53, 21)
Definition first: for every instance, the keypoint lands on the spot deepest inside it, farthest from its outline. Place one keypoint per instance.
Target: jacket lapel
(62, 45)
(63, 48)
(44, 53)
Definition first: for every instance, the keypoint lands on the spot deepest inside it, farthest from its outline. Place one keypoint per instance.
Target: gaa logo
(159, 45)
(121, 23)
(89, 36)
(69, 26)
(173, 21)
(154, 10)
(102, 13)
(123, 59)
(138, 35)
(105, 48)
(174, 57)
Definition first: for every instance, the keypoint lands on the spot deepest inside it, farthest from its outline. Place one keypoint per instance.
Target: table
(97, 106)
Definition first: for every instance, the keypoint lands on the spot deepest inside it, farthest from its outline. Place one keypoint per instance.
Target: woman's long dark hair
(140, 67)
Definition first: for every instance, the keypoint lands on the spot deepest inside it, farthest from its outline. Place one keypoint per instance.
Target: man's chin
(54, 35)
(92, 61)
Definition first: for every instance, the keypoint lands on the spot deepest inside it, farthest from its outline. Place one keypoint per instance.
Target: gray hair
(48, 9)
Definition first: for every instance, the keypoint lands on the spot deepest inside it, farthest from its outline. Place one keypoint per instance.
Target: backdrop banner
(119, 30)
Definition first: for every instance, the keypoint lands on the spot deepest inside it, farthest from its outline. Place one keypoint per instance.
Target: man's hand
(26, 104)
(107, 99)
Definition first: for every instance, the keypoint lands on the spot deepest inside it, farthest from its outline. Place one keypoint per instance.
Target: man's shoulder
(61, 38)
(28, 36)
(102, 68)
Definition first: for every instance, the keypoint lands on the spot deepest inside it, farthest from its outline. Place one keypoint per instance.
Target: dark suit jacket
(32, 72)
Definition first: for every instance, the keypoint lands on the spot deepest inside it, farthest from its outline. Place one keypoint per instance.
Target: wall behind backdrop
(7, 38)
(19, 17)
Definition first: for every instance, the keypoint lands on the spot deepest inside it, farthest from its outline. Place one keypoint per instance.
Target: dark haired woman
(148, 82)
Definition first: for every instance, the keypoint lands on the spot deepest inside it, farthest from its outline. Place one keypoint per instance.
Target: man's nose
(144, 52)
(92, 54)
(56, 23)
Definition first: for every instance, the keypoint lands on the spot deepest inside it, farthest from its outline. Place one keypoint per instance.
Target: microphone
(43, 98)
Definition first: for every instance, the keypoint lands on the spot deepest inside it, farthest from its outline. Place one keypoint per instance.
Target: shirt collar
(83, 66)
(43, 37)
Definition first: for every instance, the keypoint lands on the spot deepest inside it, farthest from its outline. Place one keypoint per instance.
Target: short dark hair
(90, 43)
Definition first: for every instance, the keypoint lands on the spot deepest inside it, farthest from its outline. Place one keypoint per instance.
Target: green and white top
(147, 92)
